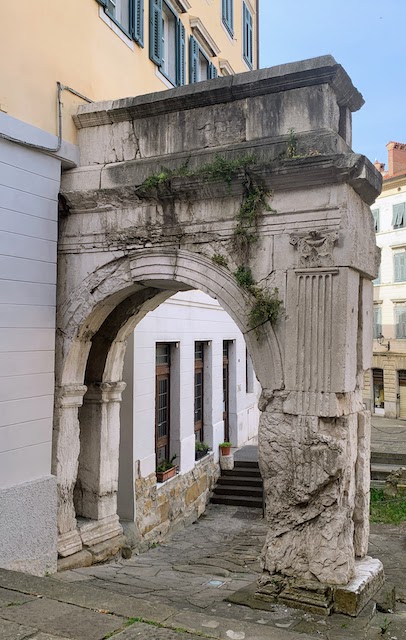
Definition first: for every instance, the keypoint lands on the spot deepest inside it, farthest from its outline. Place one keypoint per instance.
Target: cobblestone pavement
(181, 587)
(202, 565)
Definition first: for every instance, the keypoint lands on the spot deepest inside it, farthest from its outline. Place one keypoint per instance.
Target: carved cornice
(313, 72)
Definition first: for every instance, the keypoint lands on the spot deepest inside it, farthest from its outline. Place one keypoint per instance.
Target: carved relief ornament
(315, 248)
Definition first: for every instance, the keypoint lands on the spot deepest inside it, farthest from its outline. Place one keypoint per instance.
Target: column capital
(111, 391)
(70, 395)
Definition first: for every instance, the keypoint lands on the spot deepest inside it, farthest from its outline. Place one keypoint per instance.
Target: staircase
(241, 486)
(382, 464)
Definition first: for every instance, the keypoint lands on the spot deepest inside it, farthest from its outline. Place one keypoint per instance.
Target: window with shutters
(162, 401)
(128, 15)
(227, 15)
(375, 213)
(167, 41)
(247, 40)
(199, 390)
(399, 263)
(400, 320)
(200, 67)
(377, 328)
(399, 215)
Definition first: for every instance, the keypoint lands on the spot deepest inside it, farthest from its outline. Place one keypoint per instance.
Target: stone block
(192, 494)
(352, 598)
(92, 532)
(81, 559)
(385, 598)
(69, 543)
(107, 549)
(227, 462)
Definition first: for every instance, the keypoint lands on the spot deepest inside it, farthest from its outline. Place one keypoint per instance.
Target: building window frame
(377, 326)
(248, 36)
(162, 400)
(399, 266)
(227, 16)
(196, 52)
(199, 391)
(159, 8)
(399, 215)
(400, 321)
(135, 30)
(375, 214)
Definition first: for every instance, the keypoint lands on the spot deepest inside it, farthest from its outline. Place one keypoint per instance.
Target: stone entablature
(124, 250)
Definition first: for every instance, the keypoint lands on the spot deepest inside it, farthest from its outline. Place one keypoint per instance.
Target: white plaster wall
(29, 186)
(185, 318)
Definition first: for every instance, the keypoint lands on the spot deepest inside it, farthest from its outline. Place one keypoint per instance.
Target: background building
(385, 388)
(60, 54)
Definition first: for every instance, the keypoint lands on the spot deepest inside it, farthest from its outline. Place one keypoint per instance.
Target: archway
(91, 373)
(236, 208)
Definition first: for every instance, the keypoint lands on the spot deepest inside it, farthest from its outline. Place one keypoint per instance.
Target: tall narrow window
(247, 40)
(199, 390)
(399, 263)
(227, 15)
(377, 328)
(167, 41)
(399, 215)
(162, 403)
(400, 320)
(226, 389)
(375, 213)
(249, 373)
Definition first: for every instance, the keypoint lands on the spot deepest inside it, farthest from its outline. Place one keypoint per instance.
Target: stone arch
(94, 324)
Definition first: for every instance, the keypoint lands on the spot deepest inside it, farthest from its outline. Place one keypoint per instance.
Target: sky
(367, 37)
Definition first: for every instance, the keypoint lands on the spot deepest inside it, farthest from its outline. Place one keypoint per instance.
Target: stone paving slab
(63, 619)
(140, 631)
(11, 598)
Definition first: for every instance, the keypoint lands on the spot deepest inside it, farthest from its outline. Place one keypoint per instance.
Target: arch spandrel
(169, 271)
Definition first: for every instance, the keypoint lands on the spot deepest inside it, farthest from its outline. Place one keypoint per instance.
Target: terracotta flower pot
(162, 476)
(225, 451)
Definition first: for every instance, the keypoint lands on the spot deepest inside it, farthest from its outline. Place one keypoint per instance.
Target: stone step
(237, 501)
(245, 464)
(248, 473)
(242, 481)
(383, 457)
(381, 471)
(238, 490)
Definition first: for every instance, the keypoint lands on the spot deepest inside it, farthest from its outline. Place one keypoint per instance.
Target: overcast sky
(368, 37)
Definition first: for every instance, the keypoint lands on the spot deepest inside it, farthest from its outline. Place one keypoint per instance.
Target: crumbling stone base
(324, 599)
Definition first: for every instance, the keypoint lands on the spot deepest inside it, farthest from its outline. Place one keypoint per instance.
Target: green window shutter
(227, 15)
(400, 266)
(155, 31)
(398, 219)
(180, 54)
(401, 322)
(137, 20)
(193, 60)
(102, 2)
(213, 73)
(247, 36)
(377, 321)
(375, 213)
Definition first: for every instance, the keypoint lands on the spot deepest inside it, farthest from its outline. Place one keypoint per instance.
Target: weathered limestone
(124, 249)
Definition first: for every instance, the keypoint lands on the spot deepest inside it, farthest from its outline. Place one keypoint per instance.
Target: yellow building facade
(90, 45)
(54, 56)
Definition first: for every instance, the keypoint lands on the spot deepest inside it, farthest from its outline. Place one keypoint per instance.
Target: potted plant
(166, 470)
(201, 449)
(225, 448)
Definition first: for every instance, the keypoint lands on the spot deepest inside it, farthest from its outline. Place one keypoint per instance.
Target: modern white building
(189, 379)
(385, 390)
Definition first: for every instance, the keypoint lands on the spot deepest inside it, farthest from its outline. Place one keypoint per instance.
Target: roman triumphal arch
(246, 188)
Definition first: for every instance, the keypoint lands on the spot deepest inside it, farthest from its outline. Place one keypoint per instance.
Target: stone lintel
(69, 543)
(311, 72)
(93, 532)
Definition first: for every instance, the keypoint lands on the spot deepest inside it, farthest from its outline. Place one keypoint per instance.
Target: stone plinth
(227, 462)
(324, 599)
